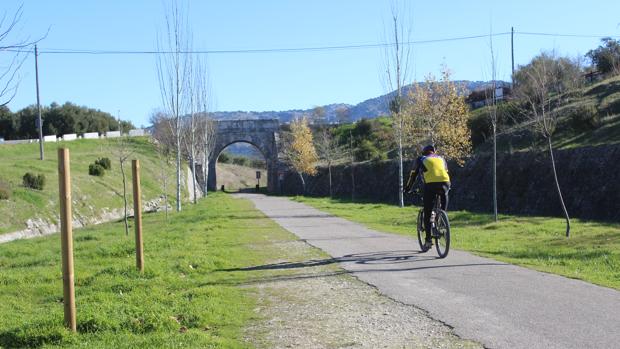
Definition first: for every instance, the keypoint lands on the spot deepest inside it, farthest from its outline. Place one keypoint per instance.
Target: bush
(224, 158)
(584, 117)
(256, 163)
(96, 170)
(34, 181)
(5, 191)
(105, 163)
(480, 126)
(241, 161)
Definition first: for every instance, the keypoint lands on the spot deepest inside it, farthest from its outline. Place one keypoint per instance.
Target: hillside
(92, 196)
(235, 177)
(369, 108)
(589, 116)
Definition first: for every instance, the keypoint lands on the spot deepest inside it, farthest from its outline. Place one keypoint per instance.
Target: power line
(301, 49)
(568, 35)
(267, 50)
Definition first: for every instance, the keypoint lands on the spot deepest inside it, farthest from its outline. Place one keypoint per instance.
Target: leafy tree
(563, 74)
(343, 115)
(299, 151)
(7, 122)
(57, 120)
(318, 116)
(606, 57)
(367, 150)
(439, 115)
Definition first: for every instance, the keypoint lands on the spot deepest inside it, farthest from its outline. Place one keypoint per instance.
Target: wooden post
(137, 213)
(66, 237)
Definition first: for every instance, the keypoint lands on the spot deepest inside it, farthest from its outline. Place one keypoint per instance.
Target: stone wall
(525, 183)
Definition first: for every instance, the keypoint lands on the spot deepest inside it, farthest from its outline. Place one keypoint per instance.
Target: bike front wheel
(421, 233)
(442, 233)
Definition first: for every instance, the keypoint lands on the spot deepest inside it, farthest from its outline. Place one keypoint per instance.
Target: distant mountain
(370, 108)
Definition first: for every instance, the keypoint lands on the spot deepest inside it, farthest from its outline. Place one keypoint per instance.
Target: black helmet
(428, 149)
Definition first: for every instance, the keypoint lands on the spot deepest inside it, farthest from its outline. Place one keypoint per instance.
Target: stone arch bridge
(263, 134)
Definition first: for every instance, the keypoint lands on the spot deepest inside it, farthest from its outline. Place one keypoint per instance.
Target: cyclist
(434, 171)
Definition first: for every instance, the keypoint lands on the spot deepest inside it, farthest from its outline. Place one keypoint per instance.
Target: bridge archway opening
(262, 134)
(237, 165)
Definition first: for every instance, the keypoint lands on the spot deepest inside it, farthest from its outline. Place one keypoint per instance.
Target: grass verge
(592, 253)
(187, 296)
(91, 194)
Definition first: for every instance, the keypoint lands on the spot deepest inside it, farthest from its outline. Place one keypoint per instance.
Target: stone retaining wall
(525, 183)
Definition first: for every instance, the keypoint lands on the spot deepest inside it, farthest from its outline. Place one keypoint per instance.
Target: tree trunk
(178, 164)
(303, 183)
(329, 168)
(352, 166)
(495, 172)
(193, 150)
(206, 175)
(165, 193)
(352, 181)
(125, 199)
(401, 202)
(557, 185)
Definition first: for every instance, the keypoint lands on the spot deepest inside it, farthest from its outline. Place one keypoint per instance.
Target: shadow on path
(386, 258)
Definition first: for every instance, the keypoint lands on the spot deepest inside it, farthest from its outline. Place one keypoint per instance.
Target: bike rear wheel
(442, 233)
(421, 233)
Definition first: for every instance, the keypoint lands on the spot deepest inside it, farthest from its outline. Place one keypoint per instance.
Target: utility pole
(36, 69)
(512, 52)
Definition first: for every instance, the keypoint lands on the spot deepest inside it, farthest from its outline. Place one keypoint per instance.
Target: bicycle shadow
(303, 269)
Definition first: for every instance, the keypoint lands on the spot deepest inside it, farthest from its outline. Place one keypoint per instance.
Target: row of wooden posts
(66, 231)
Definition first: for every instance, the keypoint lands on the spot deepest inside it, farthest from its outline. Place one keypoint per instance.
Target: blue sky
(290, 80)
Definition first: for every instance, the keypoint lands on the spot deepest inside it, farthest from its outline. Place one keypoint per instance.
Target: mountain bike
(440, 229)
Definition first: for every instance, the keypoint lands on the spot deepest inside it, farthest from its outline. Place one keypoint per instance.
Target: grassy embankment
(90, 194)
(184, 299)
(592, 253)
(589, 116)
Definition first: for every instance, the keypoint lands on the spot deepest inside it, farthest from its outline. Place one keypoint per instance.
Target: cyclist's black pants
(430, 191)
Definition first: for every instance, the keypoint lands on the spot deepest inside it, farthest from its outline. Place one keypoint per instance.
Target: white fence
(113, 134)
(139, 132)
(69, 137)
(91, 135)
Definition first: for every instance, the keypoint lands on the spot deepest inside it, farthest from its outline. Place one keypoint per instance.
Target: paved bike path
(497, 304)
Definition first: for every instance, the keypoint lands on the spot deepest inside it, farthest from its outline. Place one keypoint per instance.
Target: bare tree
(164, 164)
(122, 151)
(352, 160)
(207, 140)
(492, 113)
(17, 49)
(205, 132)
(536, 94)
(396, 64)
(172, 69)
(163, 140)
(329, 151)
(190, 126)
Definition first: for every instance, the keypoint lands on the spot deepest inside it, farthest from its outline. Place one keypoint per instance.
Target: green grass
(603, 96)
(185, 284)
(592, 253)
(91, 194)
